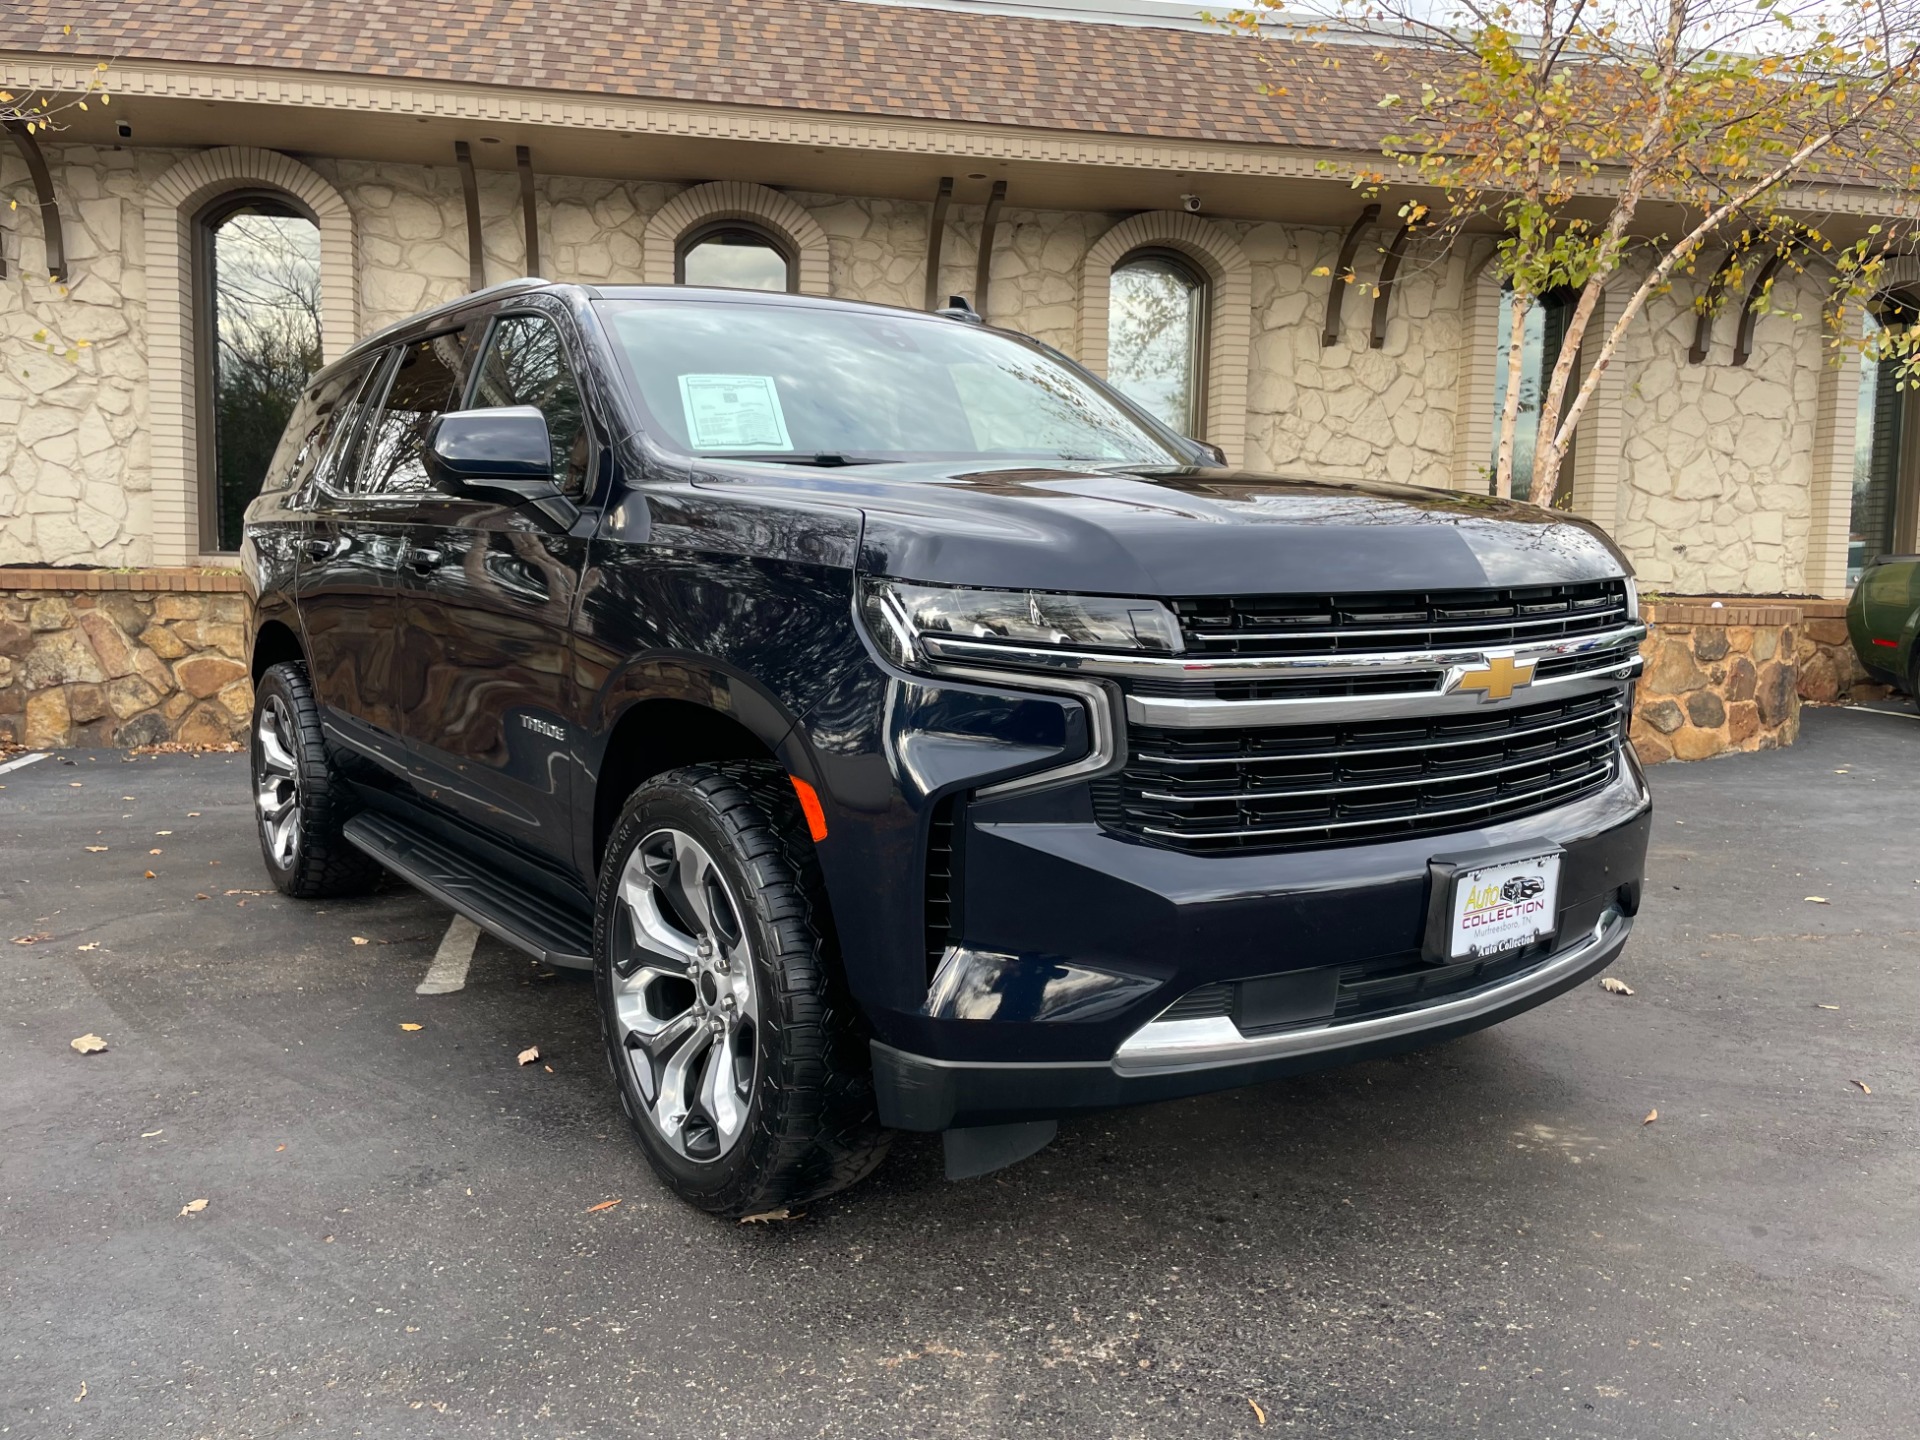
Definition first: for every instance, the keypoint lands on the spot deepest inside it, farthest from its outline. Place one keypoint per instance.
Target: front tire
(738, 1054)
(300, 800)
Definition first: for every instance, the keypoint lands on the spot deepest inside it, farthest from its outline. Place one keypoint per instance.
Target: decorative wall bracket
(983, 268)
(55, 240)
(936, 233)
(1343, 276)
(470, 187)
(1383, 293)
(1749, 317)
(529, 211)
(1710, 309)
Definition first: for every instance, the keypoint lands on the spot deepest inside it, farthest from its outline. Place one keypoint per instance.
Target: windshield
(842, 387)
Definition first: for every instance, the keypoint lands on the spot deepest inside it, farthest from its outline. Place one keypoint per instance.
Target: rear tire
(300, 799)
(740, 1059)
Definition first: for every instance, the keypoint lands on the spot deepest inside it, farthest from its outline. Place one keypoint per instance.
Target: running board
(522, 917)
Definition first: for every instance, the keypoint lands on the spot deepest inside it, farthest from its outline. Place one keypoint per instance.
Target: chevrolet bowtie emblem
(1498, 678)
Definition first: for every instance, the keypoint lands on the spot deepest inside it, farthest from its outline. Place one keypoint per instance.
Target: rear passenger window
(309, 430)
(526, 364)
(330, 462)
(422, 389)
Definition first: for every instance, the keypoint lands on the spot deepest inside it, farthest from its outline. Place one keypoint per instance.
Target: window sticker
(733, 412)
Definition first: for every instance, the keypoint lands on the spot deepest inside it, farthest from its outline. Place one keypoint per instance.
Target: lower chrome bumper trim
(1165, 1046)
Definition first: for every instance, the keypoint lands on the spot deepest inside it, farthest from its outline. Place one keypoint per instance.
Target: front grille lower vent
(1279, 625)
(1312, 785)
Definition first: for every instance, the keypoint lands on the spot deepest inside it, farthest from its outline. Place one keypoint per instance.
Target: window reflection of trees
(1155, 337)
(260, 289)
(1543, 331)
(526, 364)
(420, 392)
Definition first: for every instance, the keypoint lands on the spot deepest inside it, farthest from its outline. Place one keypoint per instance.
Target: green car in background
(1883, 618)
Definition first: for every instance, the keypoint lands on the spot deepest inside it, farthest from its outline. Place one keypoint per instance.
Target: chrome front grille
(1309, 785)
(1372, 624)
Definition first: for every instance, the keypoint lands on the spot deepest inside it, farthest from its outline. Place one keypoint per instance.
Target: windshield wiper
(825, 458)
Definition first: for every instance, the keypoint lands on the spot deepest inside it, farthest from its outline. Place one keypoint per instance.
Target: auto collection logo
(1493, 904)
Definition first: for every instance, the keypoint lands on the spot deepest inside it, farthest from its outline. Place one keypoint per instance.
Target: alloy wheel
(276, 782)
(684, 996)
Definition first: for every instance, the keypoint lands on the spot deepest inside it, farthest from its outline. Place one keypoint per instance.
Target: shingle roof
(820, 55)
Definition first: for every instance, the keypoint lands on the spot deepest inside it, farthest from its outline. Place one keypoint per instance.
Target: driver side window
(526, 364)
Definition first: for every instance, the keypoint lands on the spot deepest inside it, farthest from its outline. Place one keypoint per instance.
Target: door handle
(425, 560)
(319, 549)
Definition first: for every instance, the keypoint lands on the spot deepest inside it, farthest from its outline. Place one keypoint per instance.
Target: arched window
(1544, 334)
(1157, 337)
(737, 257)
(256, 296)
(1886, 451)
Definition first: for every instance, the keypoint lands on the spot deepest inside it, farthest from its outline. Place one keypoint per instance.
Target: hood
(1199, 532)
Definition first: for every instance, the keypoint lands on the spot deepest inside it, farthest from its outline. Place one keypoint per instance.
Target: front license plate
(1503, 906)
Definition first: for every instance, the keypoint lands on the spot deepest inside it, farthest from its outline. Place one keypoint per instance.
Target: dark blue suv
(909, 732)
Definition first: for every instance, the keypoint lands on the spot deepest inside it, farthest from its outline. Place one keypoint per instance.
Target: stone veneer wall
(106, 658)
(1717, 459)
(1716, 680)
(1824, 658)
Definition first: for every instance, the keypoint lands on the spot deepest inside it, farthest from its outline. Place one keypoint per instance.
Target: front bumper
(1166, 1059)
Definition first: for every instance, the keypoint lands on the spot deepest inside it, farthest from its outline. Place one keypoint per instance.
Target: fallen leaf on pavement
(547, 1068)
(409, 1025)
(149, 1134)
(1826, 1007)
(90, 945)
(1817, 900)
(95, 849)
(31, 939)
(1652, 1115)
(148, 875)
(278, 1148)
(88, 1044)
(767, 1217)
(202, 895)
(163, 832)
(193, 1207)
(1615, 987)
(1863, 1086)
(193, 814)
(361, 940)
(83, 1393)
(529, 1055)
(603, 1205)
(154, 851)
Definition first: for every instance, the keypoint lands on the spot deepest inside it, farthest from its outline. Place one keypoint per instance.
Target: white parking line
(21, 762)
(1869, 710)
(448, 972)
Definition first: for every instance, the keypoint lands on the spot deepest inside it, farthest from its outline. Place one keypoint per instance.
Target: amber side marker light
(810, 807)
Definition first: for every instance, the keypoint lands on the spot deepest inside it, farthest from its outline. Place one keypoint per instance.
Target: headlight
(901, 614)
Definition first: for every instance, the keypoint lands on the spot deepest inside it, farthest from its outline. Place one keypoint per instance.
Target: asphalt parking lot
(405, 1232)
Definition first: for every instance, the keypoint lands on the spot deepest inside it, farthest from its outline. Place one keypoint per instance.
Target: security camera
(1190, 204)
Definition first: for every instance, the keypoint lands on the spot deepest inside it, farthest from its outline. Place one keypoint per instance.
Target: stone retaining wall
(1824, 657)
(107, 658)
(1717, 680)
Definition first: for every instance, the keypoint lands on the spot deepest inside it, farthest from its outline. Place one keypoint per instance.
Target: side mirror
(501, 454)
